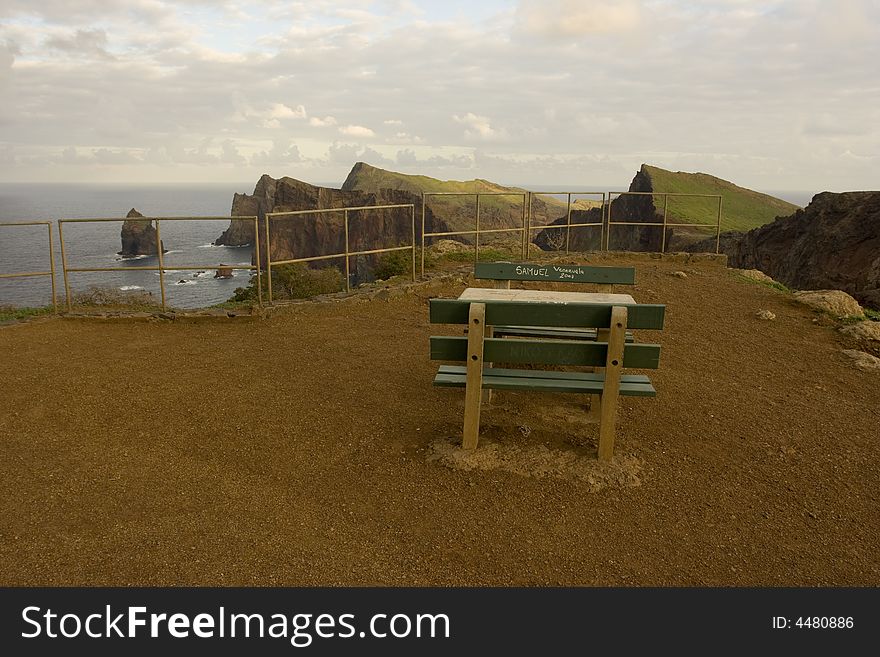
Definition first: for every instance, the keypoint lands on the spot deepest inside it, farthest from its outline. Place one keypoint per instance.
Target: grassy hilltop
(496, 210)
(742, 209)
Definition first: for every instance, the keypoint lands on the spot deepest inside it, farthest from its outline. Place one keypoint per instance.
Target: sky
(771, 94)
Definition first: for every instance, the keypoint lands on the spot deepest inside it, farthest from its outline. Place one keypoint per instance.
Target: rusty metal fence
(476, 232)
(30, 274)
(567, 225)
(160, 266)
(347, 254)
(666, 223)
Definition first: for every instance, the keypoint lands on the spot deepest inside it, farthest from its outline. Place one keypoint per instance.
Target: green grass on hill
(742, 209)
(462, 209)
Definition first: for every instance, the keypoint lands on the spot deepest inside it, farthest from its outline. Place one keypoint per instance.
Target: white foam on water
(184, 282)
(126, 288)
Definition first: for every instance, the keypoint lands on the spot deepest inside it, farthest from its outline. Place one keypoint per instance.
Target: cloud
(392, 122)
(320, 123)
(83, 43)
(577, 18)
(478, 127)
(282, 153)
(356, 131)
(282, 111)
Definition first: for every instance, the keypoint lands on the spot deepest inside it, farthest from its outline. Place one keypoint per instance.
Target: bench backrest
(512, 271)
(547, 352)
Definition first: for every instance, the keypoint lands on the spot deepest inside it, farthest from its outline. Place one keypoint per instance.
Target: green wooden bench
(505, 272)
(614, 355)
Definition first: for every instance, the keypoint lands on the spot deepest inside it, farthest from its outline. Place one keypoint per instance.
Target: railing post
(268, 261)
(347, 274)
(665, 209)
(64, 263)
(259, 264)
(161, 264)
(52, 267)
(528, 229)
(413, 225)
(718, 227)
(477, 236)
(568, 224)
(423, 235)
(524, 234)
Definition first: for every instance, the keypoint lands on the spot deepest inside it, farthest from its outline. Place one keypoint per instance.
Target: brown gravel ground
(296, 451)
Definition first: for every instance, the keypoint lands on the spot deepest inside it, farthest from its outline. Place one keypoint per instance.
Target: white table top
(542, 296)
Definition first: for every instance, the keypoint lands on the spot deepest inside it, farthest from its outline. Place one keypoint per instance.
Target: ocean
(97, 244)
(189, 243)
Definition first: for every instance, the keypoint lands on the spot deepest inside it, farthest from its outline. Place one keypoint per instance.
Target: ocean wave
(126, 288)
(134, 257)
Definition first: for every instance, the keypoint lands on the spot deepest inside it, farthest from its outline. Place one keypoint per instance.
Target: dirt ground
(310, 448)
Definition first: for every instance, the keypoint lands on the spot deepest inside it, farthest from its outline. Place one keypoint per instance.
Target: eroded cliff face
(635, 208)
(323, 233)
(833, 243)
(138, 237)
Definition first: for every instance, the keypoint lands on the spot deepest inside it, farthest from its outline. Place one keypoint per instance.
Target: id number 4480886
(814, 622)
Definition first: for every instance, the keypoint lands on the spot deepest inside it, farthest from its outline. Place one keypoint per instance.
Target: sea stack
(138, 237)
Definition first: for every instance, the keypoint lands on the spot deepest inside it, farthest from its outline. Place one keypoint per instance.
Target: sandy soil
(311, 448)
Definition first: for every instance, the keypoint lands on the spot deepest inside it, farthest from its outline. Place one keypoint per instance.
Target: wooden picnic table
(483, 294)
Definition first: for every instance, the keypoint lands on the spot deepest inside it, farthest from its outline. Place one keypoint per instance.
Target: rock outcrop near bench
(833, 243)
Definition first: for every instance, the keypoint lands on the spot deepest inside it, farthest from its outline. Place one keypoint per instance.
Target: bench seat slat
(574, 382)
(543, 374)
(547, 332)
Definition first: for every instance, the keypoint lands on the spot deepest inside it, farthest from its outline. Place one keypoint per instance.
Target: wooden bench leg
(487, 393)
(596, 400)
(474, 381)
(611, 389)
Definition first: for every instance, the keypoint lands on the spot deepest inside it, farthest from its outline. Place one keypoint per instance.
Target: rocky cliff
(322, 233)
(635, 208)
(138, 237)
(833, 243)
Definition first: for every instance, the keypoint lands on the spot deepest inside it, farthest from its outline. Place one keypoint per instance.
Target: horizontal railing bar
(168, 267)
(573, 193)
(290, 262)
(456, 232)
(666, 194)
(113, 269)
(501, 230)
(392, 248)
(475, 193)
(76, 221)
(272, 215)
(25, 223)
(659, 223)
(26, 274)
(341, 255)
(565, 226)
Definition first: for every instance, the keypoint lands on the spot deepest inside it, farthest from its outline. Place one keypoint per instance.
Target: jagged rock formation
(138, 237)
(833, 243)
(303, 236)
(692, 200)
(629, 208)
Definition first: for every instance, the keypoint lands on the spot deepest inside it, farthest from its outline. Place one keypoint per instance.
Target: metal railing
(476, 232)
(666, 223)
(347, 254)
(29, 274)
(567, 225)
(160, 267)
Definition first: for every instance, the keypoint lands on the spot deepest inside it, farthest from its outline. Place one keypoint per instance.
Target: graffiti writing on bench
(554, 272)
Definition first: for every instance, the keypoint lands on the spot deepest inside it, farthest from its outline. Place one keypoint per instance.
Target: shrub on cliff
(395, 263)
(296, 281)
